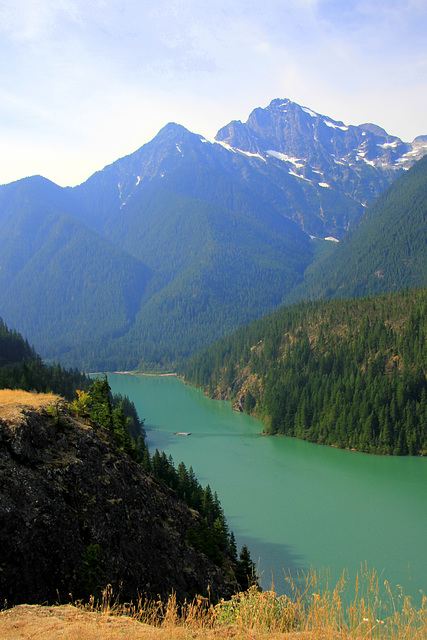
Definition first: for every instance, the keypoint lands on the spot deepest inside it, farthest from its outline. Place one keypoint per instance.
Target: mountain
(60, 281)
(175, 245)
(310, 168)
(385, 251)
(328, 170)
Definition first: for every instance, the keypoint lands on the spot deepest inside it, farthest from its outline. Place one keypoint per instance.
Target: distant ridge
(385, 251)
(176, 244)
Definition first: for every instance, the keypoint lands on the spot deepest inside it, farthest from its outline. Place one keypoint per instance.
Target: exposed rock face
(65, 487)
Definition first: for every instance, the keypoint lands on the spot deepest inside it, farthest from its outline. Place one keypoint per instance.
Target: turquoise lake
(296, 505)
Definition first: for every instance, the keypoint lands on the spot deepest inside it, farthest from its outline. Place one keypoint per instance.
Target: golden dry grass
(16, 398)
(316, 613)
(67, 622)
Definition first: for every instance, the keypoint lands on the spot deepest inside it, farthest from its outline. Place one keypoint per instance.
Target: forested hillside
(62, 284)
(175, 245)
(385, 251)
(346, 373)
(22, 368)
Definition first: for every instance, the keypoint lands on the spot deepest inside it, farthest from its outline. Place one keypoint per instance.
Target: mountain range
(175, 245)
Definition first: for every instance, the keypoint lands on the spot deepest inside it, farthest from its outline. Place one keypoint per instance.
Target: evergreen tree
(245, 569)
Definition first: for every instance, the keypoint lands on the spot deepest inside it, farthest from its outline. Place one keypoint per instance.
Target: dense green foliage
(12, 346)
(347, 373)
(61, 283)
(215, 268)
(115, 413)
(385, 251)
(212, 536)
(22, 368)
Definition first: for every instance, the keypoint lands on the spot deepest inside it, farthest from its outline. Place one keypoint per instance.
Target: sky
(85, 82)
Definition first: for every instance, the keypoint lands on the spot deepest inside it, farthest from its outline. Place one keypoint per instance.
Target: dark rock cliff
(64, 489)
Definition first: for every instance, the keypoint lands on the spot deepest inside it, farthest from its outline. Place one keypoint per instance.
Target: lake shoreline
(131, 373)
(293, 504)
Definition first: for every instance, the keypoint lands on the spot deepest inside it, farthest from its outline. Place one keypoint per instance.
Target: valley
(172, 247)
(281, 270)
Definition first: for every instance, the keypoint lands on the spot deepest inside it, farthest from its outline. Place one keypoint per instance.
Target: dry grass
(314, 612)
(67, 622)
(17, 399)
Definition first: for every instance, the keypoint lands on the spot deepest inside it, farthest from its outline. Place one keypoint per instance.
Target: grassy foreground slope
(346, 373)
(315, 612)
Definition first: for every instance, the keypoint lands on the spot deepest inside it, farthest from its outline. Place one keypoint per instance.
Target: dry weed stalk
(363, 611)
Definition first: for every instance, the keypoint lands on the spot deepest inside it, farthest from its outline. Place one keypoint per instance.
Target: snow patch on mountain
(249, 154)
(285, 158)
(389, 145)
(361, 156)
(225, 145)
(332, 125)
(296, 175)
(311, 113)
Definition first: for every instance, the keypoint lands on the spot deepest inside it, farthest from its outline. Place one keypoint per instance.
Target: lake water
(294, 504)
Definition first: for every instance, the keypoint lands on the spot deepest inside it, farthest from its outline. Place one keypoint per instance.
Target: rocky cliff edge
(76, 514)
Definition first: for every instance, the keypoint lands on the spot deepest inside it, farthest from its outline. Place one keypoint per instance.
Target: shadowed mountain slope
(173, 246)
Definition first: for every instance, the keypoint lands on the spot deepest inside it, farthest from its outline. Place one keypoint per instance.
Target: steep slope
(77, 514)
(13, 348)
(62, 283)
(306, 166)
(173, 246)
(328, 170)
(385, 251)
(347, 373)
(220, 256)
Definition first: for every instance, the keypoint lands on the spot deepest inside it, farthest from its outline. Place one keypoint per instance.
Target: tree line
(346, 373)
(212, 536)
(22, 368)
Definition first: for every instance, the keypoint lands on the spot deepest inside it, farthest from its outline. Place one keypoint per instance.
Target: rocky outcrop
(76, 513)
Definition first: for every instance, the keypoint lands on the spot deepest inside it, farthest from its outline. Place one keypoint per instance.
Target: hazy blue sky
(84, 82)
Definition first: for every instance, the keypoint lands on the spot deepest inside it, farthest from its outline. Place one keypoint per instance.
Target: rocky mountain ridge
(173, 246)
(285, 127)
(280, 141)
(319, 152)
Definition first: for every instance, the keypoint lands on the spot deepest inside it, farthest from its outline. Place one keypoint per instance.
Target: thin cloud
(101, 77)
